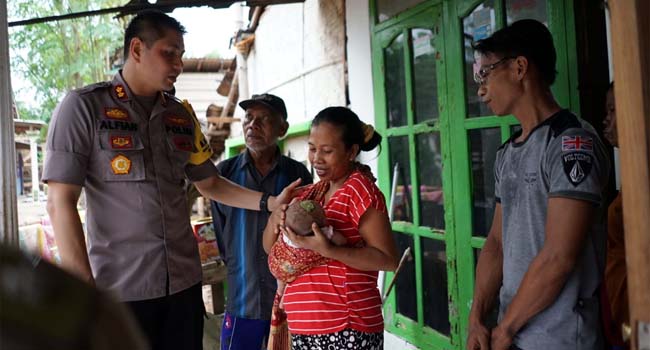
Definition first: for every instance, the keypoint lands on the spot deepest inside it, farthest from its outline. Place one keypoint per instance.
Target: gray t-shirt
(562, 157)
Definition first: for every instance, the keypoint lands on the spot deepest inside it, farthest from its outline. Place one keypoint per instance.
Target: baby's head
(301, 214)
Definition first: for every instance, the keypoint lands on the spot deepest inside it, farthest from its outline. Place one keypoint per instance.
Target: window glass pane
(479, 24)
(429, 157)
(389, 8)
(400, 179)
(521, 9)
(395, 82)
(492, 318)
(405, 282)
(425, 85)
(483, 147)
(434, 283)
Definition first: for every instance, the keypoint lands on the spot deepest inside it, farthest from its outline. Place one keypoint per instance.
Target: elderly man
(262, 167)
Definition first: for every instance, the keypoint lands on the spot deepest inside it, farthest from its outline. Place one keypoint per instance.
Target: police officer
(131, 146)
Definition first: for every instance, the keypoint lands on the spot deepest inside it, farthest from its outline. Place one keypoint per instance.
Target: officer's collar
(120, 88)
(122, 92)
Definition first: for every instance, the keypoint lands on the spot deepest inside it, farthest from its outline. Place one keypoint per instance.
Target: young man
(131, 146)
(262, 167)
(544, 254)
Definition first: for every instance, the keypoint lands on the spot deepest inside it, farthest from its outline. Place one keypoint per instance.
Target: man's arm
(224, 191)
(68, 233)
(489, 276)
(567, 223)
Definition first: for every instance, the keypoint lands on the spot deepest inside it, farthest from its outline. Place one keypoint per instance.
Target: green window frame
(457, 131)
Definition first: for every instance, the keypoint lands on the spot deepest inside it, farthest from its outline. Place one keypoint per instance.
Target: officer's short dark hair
(528, 38)
(149, 26)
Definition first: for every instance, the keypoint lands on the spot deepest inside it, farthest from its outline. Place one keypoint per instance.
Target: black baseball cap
(273, 102)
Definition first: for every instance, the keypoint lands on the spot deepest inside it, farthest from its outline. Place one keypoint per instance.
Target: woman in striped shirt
(337, 303)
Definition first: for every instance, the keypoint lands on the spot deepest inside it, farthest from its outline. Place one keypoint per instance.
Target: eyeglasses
(480, 77)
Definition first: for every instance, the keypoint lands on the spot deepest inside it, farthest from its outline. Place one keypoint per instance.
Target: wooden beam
(631, 52)
(223, 120)
(8, 207)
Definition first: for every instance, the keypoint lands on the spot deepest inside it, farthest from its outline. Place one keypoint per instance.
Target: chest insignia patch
(120, 92)
(183, 143)
(121, 165)
(577, 166)
(116, 113)
(179, 121)
(121, 141)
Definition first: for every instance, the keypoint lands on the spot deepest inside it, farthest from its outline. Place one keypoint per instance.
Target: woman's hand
(318, 242)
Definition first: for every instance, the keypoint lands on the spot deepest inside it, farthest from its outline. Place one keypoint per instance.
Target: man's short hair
(528, 38)
(149, 26)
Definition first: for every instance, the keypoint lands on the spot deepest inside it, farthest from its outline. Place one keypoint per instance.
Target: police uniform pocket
(123, 157)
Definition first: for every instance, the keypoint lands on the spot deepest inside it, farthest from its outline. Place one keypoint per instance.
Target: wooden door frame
(631, 53)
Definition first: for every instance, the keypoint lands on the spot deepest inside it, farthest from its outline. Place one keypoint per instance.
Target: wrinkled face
(610, 131)
(262, 127)
(162, 63)
(499, 88)
(328, 154)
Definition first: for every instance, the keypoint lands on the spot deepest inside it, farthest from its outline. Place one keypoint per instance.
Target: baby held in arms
(286, 260)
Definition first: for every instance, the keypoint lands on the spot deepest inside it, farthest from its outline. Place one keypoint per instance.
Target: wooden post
(8, 208)
(631, 52)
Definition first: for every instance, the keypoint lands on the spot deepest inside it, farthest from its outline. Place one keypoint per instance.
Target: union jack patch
(577, 143)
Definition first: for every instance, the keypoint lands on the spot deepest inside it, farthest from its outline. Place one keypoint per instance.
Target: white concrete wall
(299, 55)
(200, 89)
(359, 59)
(392, 341)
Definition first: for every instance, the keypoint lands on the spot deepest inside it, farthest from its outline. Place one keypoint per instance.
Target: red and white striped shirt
(334, 296)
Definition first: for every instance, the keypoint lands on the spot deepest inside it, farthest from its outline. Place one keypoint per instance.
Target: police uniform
(133, 167)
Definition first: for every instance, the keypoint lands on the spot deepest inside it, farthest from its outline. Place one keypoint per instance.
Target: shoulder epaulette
(92, 87)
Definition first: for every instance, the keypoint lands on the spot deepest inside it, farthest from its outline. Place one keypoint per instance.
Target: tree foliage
(55, 57)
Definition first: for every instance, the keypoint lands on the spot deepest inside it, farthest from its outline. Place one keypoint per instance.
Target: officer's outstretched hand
(285, 196)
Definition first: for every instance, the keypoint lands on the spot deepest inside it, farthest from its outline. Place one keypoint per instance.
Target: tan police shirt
(133, 168)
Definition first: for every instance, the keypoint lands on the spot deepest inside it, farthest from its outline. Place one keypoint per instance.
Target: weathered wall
(299, 55)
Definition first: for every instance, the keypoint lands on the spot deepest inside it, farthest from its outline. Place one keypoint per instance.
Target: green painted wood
(453, 126)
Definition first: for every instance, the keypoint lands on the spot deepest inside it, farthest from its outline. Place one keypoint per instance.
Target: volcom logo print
(577, 166)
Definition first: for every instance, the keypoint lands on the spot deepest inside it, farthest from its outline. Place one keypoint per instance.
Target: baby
(286, 260)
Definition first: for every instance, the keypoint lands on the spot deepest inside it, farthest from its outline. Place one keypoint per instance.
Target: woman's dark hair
(353, 129)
